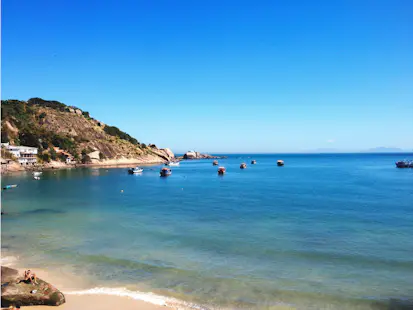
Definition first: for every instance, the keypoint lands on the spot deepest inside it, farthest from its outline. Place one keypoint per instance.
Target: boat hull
(404, 164)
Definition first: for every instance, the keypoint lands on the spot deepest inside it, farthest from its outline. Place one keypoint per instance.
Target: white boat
(135, 170)
(172, 163)
(37, 173)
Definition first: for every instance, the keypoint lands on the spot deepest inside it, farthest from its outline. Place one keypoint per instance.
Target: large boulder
(27, 294)
(168, 153)
(94, 156)
(190, 155)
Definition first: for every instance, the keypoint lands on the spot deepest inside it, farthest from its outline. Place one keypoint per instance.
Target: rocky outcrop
(94, 156)
(197, 155)
(166, 154)
(27, 294)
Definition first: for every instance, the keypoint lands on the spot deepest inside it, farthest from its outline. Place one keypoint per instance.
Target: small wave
(147, 297)
(8, 261)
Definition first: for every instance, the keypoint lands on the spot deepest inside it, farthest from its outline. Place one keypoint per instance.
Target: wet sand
(100, 302)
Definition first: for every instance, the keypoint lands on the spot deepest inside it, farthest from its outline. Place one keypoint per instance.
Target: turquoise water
(322, 232)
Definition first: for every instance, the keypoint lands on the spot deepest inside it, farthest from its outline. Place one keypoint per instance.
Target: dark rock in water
(197, 155)
(27, 294)
(44, 211)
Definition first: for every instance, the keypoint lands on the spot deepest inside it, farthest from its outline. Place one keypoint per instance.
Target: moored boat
(253, 162)
(172, 163)
(135, 170)
(165, 172)
(243, 166)
(215, 163)
(37, 174)
(404, 164)
(10, 186)
(221, 170)
(280, 163)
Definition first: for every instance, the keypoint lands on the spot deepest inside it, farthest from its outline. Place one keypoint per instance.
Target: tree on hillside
(52, 153)
(86, 159)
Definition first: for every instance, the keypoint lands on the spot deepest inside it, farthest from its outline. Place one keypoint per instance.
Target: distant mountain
(383, 149)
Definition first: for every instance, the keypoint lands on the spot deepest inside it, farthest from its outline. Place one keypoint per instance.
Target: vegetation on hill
(46, 124)
(115, 131)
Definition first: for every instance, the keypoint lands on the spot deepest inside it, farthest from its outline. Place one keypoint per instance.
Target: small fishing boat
(404, 164)
(135, 170)
(172, 163)
(10, 186)
(253, 162)
(165, 172)
(280, 163)
(215, 163)
(243, 166)
(37, 174)
(221, 170)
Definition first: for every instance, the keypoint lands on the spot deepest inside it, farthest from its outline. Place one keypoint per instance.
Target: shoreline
(121, 164)
(78, 296)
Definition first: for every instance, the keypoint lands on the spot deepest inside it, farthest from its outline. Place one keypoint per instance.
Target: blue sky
(221, 76)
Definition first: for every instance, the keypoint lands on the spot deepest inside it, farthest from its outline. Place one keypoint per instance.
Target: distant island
(49, 134)
(197, 155)
(382, 149)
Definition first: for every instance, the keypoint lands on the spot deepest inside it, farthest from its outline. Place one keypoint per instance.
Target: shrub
(28, 138)
(4, 136)
(45, 157)
(86, 114)
(42, 115)
(62, 157)
(116, 132)
(86, 159)
(46, 103)
(64, 142)
(102, 156)
(52, 153)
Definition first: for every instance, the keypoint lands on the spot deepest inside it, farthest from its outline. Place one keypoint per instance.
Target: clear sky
(221, 76)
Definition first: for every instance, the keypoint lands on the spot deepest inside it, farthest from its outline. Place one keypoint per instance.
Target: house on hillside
(68, 157)
(26, 155)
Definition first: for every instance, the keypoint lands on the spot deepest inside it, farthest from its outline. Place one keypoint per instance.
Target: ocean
(326, 231)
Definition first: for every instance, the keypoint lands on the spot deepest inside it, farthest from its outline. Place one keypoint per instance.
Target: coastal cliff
(60, 132)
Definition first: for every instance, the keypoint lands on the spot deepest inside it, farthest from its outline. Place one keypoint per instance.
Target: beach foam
(123, 292)
(136, 295)
(8, 261)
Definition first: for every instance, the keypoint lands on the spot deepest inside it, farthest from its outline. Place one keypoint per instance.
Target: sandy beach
(100, 302)
(69, 285)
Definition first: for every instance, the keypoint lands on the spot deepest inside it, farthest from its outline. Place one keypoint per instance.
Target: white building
(26, 155)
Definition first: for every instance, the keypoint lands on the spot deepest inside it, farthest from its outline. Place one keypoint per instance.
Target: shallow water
(323, 232)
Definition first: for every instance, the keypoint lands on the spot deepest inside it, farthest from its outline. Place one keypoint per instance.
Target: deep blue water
(330, 231)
